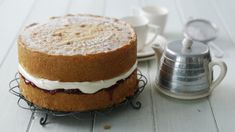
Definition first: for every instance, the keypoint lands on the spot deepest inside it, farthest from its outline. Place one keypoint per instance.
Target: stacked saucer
(146, 54)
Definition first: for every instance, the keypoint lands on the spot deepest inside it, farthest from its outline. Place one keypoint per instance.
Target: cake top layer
(77, 35)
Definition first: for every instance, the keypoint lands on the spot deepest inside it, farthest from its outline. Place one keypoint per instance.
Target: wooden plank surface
(224, 10)
(12, 118)
(120, 8)
(158, 113)
(88, 7)
(12, 17)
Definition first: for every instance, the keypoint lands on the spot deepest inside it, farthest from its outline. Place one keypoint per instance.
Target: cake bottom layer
(70, 102)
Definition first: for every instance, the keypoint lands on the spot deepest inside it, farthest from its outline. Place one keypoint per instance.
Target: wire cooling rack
(23, 103)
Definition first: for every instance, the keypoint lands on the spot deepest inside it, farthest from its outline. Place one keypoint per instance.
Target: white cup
(156, 15)
(142, 27)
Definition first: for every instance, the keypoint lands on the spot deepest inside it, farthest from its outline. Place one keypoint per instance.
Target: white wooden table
(158, 113)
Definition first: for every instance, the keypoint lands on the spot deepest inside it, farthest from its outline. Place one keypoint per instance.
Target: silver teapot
(186, 66)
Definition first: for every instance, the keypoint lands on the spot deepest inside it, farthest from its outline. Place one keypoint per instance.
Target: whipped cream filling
(84, 87)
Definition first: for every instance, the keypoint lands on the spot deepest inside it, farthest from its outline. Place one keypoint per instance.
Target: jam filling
(73, 91)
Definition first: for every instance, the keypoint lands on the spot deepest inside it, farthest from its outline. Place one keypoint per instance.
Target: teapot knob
(187, 43)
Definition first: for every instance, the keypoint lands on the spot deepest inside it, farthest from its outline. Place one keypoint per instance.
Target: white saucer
(182, 96)
(146, 58)
(147, 51)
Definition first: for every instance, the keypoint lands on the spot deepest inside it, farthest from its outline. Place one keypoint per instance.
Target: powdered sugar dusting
(77, 34)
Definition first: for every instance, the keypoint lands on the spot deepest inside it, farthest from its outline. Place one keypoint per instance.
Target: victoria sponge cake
(77, 62)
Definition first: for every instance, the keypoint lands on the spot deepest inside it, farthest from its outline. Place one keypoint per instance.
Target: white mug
(142, 27)
(156, 15)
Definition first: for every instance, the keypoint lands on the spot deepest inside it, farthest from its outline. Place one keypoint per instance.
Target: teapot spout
(158, 49)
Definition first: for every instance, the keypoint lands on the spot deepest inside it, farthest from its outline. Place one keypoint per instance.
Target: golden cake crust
(62, 101)
(78, 67)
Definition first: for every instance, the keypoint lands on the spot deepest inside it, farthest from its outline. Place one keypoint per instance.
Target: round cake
(77, 62)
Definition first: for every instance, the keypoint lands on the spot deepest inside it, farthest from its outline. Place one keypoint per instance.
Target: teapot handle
(156, 30)
(223, 71)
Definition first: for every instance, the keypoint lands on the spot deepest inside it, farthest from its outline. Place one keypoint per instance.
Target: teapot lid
(177, 51)
(197, 33)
